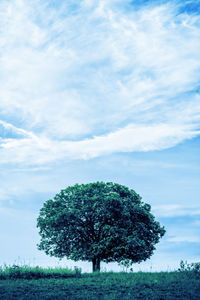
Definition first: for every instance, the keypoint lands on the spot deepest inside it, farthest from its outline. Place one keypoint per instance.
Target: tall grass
(27, 272)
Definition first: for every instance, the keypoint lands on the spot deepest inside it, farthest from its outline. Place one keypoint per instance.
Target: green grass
(27, 272)
(159, 286)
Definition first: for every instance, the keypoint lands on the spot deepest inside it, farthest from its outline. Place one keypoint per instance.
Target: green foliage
(26, 272)
(108, 286)
(192, 269)
(98, 222)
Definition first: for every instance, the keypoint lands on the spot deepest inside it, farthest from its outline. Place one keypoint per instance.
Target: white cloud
(88, 79)
(19, 131)
(182, 239)
(175, 210)
(131, 138)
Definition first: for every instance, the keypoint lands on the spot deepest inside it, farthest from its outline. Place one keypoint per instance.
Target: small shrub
(14, 272)
(192, 269)
(77, 271)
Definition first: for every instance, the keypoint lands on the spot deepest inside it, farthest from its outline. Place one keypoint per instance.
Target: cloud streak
(176, 210)
(85, 79)
(128, 139)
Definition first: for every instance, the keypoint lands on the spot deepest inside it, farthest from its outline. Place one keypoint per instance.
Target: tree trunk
(96, 264)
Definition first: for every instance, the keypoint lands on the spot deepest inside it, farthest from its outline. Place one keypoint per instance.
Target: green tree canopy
(98, 222)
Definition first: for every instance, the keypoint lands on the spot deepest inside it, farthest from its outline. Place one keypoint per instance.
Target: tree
(98, 222)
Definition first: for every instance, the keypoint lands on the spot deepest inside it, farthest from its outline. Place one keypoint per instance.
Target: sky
(100, 91)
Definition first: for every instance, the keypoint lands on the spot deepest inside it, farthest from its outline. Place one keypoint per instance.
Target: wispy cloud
(41, 149)
(183, 239)
(175, 210)
(86, 78)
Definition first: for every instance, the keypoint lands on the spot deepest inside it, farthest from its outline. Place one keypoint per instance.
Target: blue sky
(100, 90)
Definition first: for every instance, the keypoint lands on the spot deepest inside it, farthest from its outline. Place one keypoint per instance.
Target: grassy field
(36, 283)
